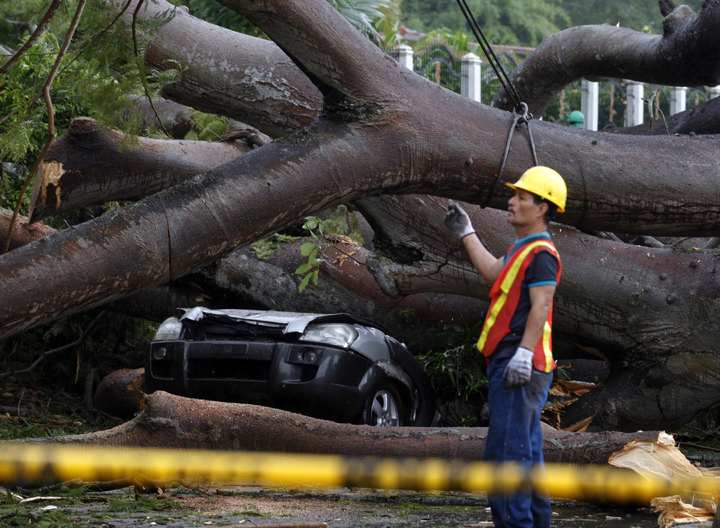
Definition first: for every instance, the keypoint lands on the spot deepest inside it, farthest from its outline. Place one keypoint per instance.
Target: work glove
(458, 221)
(519, 368)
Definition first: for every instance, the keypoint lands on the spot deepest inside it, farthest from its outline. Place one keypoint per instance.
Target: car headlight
(169, 329)
(340, 335)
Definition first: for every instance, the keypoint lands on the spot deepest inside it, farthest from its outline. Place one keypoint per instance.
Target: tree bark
(177, 119)
(173, 421)
(241, 280)
(93, 165)
(586, 171)
(258, 85)
(686, 54)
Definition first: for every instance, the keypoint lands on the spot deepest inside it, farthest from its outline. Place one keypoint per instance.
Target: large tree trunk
(686, 54)
(173, 421)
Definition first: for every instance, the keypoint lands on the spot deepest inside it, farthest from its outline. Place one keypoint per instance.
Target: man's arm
(484, 261)
(458, 222)
(540, 303)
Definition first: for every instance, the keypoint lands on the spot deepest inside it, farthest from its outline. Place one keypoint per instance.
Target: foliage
(388, 24)
(524, 22)
(22, 515)
(642, 15)
(527, 22)
(208, 127)
(341, 224)
(97, 75)
(215, 13)
(362, 13)
(141, 503)
(455, 368)
(266, 247)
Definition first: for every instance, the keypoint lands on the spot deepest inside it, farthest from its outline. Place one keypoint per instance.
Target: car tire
(384, 407)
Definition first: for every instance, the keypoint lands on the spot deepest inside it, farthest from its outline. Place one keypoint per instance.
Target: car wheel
(384, 408)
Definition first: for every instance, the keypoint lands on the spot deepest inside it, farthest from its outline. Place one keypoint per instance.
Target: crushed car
(330, 366)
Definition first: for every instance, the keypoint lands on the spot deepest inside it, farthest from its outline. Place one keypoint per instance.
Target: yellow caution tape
(44, 463)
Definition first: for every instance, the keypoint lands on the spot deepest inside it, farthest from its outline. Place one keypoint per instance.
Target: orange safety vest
(504, 299)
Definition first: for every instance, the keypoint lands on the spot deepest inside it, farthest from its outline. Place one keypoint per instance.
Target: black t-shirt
(542, 271)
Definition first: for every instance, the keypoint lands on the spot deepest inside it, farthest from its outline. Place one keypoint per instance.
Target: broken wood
(120, 393)
(92, 165)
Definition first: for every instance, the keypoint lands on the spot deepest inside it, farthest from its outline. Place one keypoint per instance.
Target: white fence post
(589, 104)
(470, 76)
(678, 99)
(404, 55)
(635, 104)
(714, 91)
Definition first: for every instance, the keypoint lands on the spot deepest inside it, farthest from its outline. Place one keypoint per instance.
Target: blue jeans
(515, 435)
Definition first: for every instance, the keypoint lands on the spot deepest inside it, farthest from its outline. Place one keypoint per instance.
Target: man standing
(516, 334)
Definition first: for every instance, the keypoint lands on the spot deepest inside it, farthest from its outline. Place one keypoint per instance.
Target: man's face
(524, 211)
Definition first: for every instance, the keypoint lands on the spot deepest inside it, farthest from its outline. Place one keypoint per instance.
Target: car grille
(227, 360)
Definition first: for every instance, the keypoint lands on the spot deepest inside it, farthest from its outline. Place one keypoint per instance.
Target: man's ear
(544, 208)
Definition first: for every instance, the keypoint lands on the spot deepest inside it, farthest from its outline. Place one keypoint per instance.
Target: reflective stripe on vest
(508, 287)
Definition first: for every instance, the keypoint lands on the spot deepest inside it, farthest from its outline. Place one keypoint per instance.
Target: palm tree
(364, 14)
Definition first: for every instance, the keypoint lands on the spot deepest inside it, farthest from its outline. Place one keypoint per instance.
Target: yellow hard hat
(545, 183)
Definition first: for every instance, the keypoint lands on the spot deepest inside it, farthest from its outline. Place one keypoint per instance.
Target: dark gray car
(330, 366)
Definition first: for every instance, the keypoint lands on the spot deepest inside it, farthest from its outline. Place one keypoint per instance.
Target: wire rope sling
(521, 113)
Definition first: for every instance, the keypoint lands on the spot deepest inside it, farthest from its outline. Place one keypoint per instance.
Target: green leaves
(362, 13)
(341, 224)
(310, 269)
(265, 247)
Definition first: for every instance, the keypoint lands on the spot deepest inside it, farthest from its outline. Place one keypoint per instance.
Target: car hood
(291, 322)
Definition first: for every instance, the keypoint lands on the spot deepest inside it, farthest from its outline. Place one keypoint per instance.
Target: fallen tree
(174, 421)
(384, 129)
(381, 132)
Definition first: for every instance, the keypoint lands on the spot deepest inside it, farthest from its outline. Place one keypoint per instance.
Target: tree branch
(83, 334)
(260, 86)
(687, 54)
(703, 119)
(347, 71)
(93, 165)
(640, 305)
(666, 7)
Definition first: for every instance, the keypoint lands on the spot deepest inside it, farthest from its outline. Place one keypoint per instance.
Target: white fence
(636, 107)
